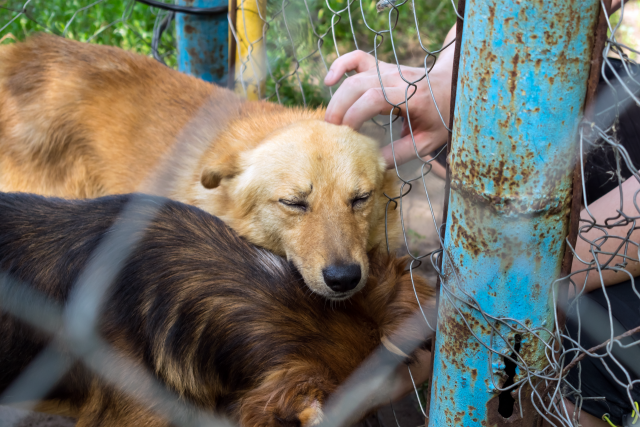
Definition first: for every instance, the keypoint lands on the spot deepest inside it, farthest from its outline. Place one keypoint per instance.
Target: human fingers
(357, 60)
(347, 94)
(403, 149)
(356, 86)
(372, 103)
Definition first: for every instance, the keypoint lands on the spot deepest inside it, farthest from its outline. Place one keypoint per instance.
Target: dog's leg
(108, 408)
(288, 397)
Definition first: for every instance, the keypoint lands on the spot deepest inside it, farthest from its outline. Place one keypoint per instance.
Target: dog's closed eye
(360, 200)
(300, 205)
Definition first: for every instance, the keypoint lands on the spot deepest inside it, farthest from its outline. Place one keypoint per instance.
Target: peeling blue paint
(522, 82)
(203, 42)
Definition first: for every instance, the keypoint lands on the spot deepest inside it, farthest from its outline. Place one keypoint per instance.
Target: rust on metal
(203, 42)
(521, 89)
(454, 85)
(233, 12)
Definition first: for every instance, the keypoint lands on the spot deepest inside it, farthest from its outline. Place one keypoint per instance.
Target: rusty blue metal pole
(522, 81)
(203, 42)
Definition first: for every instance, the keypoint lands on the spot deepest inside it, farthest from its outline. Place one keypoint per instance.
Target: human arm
(607, 207)
(361, 98)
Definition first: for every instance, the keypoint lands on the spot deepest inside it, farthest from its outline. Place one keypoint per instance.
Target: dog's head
(310, 191)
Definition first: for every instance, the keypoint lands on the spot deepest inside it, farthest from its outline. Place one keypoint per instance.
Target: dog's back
(80, 120)
(224, 324)
(74, 108)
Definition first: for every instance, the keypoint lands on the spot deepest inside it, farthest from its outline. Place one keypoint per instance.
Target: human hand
(360, 98)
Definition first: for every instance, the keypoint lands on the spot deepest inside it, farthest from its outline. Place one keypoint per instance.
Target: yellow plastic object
(250, 64)
(605, 417)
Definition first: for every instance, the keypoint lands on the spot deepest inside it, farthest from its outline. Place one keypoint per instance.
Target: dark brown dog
(227, 326)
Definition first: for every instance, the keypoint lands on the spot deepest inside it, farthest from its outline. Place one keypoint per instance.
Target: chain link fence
(398, 33)
(284, 60)
(599, 345)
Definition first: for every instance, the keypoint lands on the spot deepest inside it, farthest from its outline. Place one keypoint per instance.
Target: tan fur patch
(312, 415)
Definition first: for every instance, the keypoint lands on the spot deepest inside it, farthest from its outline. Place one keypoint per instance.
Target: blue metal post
(203, 42)
(522, 80)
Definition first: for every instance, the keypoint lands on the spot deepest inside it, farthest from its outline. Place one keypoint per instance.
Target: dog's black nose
(342, 278)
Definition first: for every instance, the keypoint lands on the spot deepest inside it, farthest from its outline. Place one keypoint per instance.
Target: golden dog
(226, 326)
(80, 120)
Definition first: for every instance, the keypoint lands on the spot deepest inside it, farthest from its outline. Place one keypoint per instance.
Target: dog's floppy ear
(222, 168)
(210, 178)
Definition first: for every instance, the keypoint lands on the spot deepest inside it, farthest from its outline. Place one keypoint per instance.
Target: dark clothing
(592, 377)
(601, 163)
(596, 329)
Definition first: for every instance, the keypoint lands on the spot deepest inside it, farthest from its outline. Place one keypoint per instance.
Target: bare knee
(584, 418)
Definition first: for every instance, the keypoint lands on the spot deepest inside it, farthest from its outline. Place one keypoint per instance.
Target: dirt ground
(420, 230)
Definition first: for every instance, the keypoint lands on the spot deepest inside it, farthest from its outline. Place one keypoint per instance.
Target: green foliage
(423, 393)
(296, 34)
(434, 17)
(129, 25)
(287, 86)
(123, 23)
(628, 32)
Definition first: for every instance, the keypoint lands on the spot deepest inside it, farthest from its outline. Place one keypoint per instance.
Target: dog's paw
(290, 397)
(310, 416)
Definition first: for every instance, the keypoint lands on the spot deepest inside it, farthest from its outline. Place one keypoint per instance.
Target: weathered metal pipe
(522, 82)
(251, 54)
(203, 42)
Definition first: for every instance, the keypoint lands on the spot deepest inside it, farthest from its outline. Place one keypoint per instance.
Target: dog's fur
(80, 120)
(226, 325)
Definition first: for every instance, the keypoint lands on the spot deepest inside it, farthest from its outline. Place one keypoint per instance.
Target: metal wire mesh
(564, 351)
(597, 137)
(138, 28)
(286, 63)
(128, 24)
(612, 243)
(302, 38)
